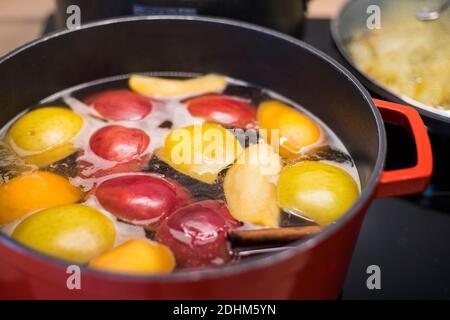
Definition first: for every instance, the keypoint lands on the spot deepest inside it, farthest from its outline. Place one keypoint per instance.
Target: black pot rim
(257, 262)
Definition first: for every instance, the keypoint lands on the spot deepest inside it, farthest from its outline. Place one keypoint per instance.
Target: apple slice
(250, 178)
(120, 105)
(197, 234)
(124, 146)
(154, 86)
(118, 143)
(136, 256)
(142, 199)
(200, 151)
(228, 111)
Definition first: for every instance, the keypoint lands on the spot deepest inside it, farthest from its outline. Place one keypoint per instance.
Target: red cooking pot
(314, 269)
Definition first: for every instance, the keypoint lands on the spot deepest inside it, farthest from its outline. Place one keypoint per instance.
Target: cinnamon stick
(272, 236)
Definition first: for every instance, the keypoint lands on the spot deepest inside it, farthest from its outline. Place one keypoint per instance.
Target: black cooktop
(409, 237)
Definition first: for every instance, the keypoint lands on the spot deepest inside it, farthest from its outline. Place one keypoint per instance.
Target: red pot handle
(409, 180)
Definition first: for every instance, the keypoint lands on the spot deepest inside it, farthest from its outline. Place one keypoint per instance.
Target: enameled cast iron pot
(313, 269)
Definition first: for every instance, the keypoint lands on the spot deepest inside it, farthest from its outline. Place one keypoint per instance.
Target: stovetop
(408, 237)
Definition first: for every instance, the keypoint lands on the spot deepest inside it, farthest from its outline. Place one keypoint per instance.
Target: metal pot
(353, 18)
(313, 269)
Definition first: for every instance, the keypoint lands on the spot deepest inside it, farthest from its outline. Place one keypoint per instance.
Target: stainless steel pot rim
(379, 88)
(257, 262)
